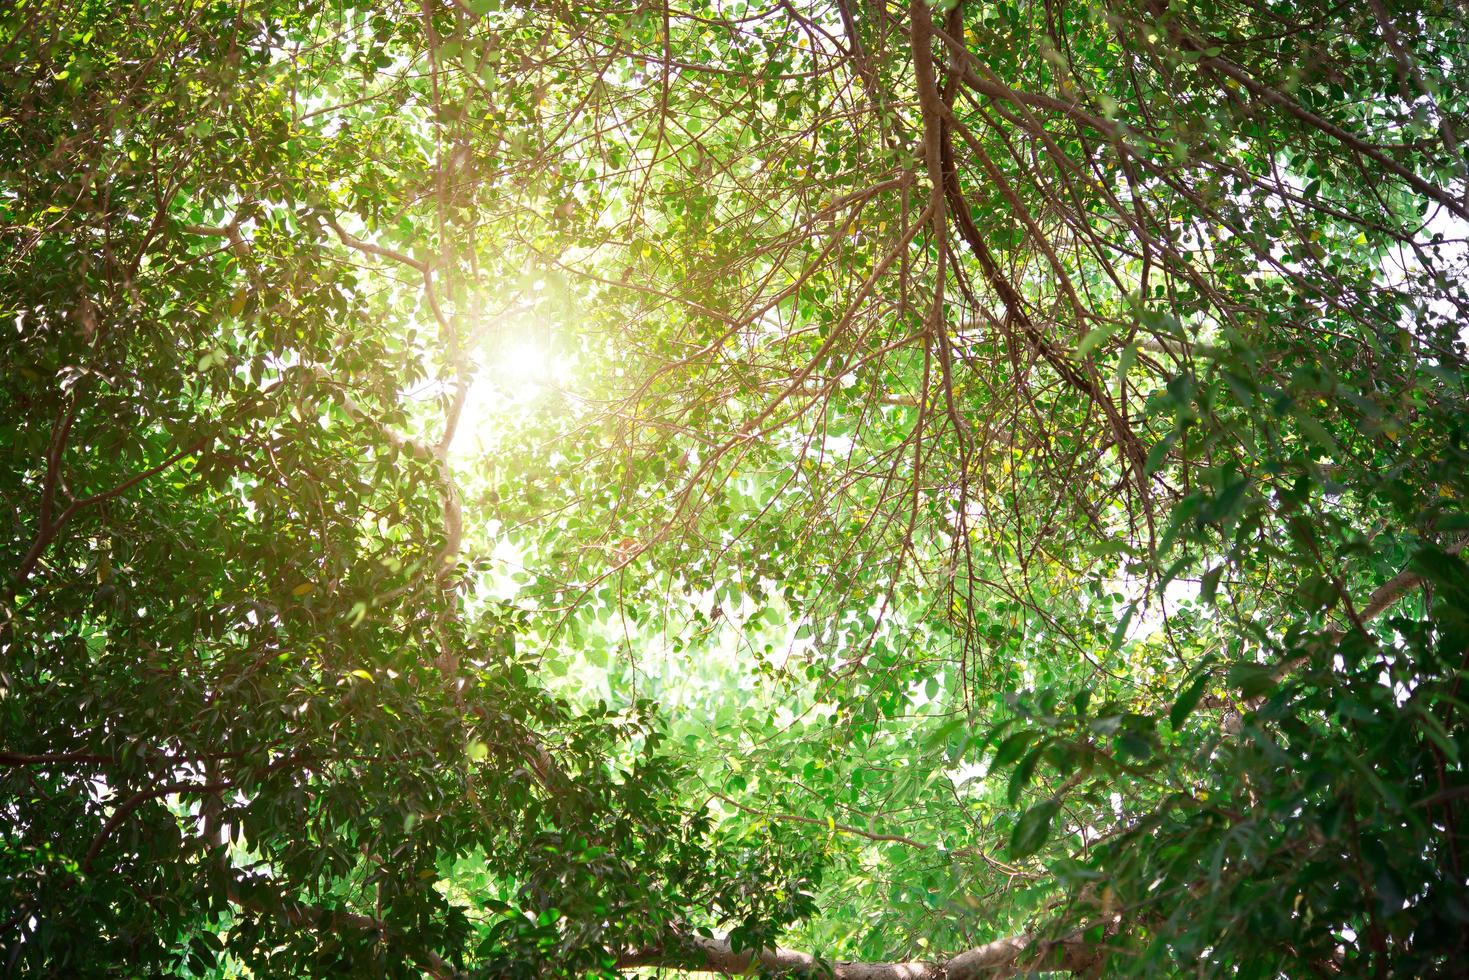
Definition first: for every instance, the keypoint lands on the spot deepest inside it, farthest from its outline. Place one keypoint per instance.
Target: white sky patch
(507, 571)
(1449, 254)
(967, 772)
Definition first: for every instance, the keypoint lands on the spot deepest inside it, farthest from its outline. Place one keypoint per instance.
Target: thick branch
(352, 241)
(55, 759)
(1389, 592)
(261, 899)
(1383, 598)
(126, 807)
(1001, 958)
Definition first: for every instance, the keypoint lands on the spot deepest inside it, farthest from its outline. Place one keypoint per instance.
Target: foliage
(518, 489)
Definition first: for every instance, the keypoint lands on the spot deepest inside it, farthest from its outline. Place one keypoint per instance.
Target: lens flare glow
(513, 372)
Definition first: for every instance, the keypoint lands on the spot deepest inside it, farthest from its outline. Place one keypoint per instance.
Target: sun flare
(514, 371)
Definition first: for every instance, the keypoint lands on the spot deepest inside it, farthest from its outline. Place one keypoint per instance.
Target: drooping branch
(1389, 592)
(944, 173)
(842, 828)
(127, 806)
(50, 528)
(369, 248)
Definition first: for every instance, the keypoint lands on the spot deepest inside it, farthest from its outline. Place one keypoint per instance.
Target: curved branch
(264, 901)
(352, 241)
(1001, 958)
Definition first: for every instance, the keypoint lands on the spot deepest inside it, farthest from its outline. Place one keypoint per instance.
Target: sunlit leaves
(913, 555)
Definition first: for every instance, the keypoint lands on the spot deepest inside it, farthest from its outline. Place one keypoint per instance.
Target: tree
(573, 490)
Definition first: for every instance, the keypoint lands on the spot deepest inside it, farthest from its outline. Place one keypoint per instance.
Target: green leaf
(1094, 338)
(1126, 360)
(1447, 571)
(1209, 583)
(1157, 454)
(1252, 680)
(1119, 632)
(1020, 778)
(1186, 701)
(1012, 748)
(1032, 829)
(1317, 433)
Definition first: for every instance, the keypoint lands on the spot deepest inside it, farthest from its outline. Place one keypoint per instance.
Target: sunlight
(515, 370)
(522, 366)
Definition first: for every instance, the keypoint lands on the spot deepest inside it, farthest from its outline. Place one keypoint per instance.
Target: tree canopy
(812, 487)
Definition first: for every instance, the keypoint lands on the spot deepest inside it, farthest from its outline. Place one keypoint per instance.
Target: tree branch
(1001, 958)
(55, 759)
(352, 241)
(869, 835)
(324, 920)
